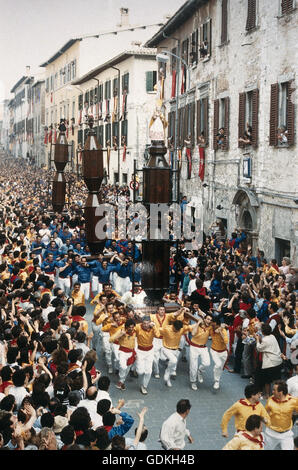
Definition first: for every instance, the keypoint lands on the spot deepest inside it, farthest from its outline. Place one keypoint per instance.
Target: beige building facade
(238, 74)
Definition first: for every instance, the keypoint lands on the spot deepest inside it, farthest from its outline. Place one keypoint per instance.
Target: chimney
(27, 70)
(124, 17)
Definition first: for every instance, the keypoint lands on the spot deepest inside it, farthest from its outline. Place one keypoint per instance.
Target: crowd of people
(231, 307)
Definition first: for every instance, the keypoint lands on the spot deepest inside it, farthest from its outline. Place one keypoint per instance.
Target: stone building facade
(238, 72)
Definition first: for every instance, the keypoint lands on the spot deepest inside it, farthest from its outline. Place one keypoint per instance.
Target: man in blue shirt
(101, 270)
(123, 276)
(37, 247)
(48, 266)
(84, 272)
(52, 249)
(65, 268)
(109, 419)
(66, 247)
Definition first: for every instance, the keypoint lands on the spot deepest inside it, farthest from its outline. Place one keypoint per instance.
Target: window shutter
(185, 123)
(227, 123)
(125, 82)
(206, 117)
(241, 118)
(286, 6)
(108, 133)
(290, 115)
(273, 114)
(100, 135)
(149, 81)
(215, 123)
(251, 14)
(170, 124)
(199, 104)
(192, 123)
(80, 102)
(255, 117)
(181, 127)
(224, 21)
(209, 35)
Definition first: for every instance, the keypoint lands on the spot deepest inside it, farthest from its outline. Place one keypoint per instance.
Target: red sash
(145, 348)
(132, 358)
(254, 439)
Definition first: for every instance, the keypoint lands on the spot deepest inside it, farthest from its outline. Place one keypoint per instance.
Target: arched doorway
(247, 205)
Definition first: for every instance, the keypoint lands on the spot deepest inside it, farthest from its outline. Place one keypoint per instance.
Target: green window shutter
(149, 81)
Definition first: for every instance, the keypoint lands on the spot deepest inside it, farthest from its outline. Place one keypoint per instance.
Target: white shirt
(271, 351)
(173, 432)
(19, 393)
(129, 442)
(137, 300)
(45, 312)
(191, 286)
(192, 262)
(103, 395)
(91, 406)
(45, 235)
(293, 386)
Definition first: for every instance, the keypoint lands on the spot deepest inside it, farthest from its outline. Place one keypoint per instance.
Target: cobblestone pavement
(207, 409)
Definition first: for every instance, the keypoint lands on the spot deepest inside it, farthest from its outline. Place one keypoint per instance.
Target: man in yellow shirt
(127, 354)
(112, 326)
(145, 332)
(251, 438)
(244, 408)
(218, 350)
(103, 319)
(160, 319)
(198, 350)
(78, 295)
(280, 407)
(171, 336)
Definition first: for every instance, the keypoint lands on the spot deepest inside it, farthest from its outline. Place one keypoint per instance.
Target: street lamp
(164, 57)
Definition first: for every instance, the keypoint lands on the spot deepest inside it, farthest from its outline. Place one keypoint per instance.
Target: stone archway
(247, 205)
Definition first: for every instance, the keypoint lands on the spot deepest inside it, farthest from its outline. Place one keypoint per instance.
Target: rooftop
(138, 52)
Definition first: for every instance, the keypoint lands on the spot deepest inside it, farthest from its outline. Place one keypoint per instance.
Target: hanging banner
(202, 163)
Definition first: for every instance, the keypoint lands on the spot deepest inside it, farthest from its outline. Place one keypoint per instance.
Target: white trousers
(196, 354)
(122, 284)
(144, 364)
(172, 355)
(219, 359)
(115, 350)
(274, 438)
(96, 286)
(123, 367)
(64, 284)
(85, 288)
(107, 347)
(157, 345)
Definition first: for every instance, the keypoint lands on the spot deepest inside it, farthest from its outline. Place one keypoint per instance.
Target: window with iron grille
(251, 14)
